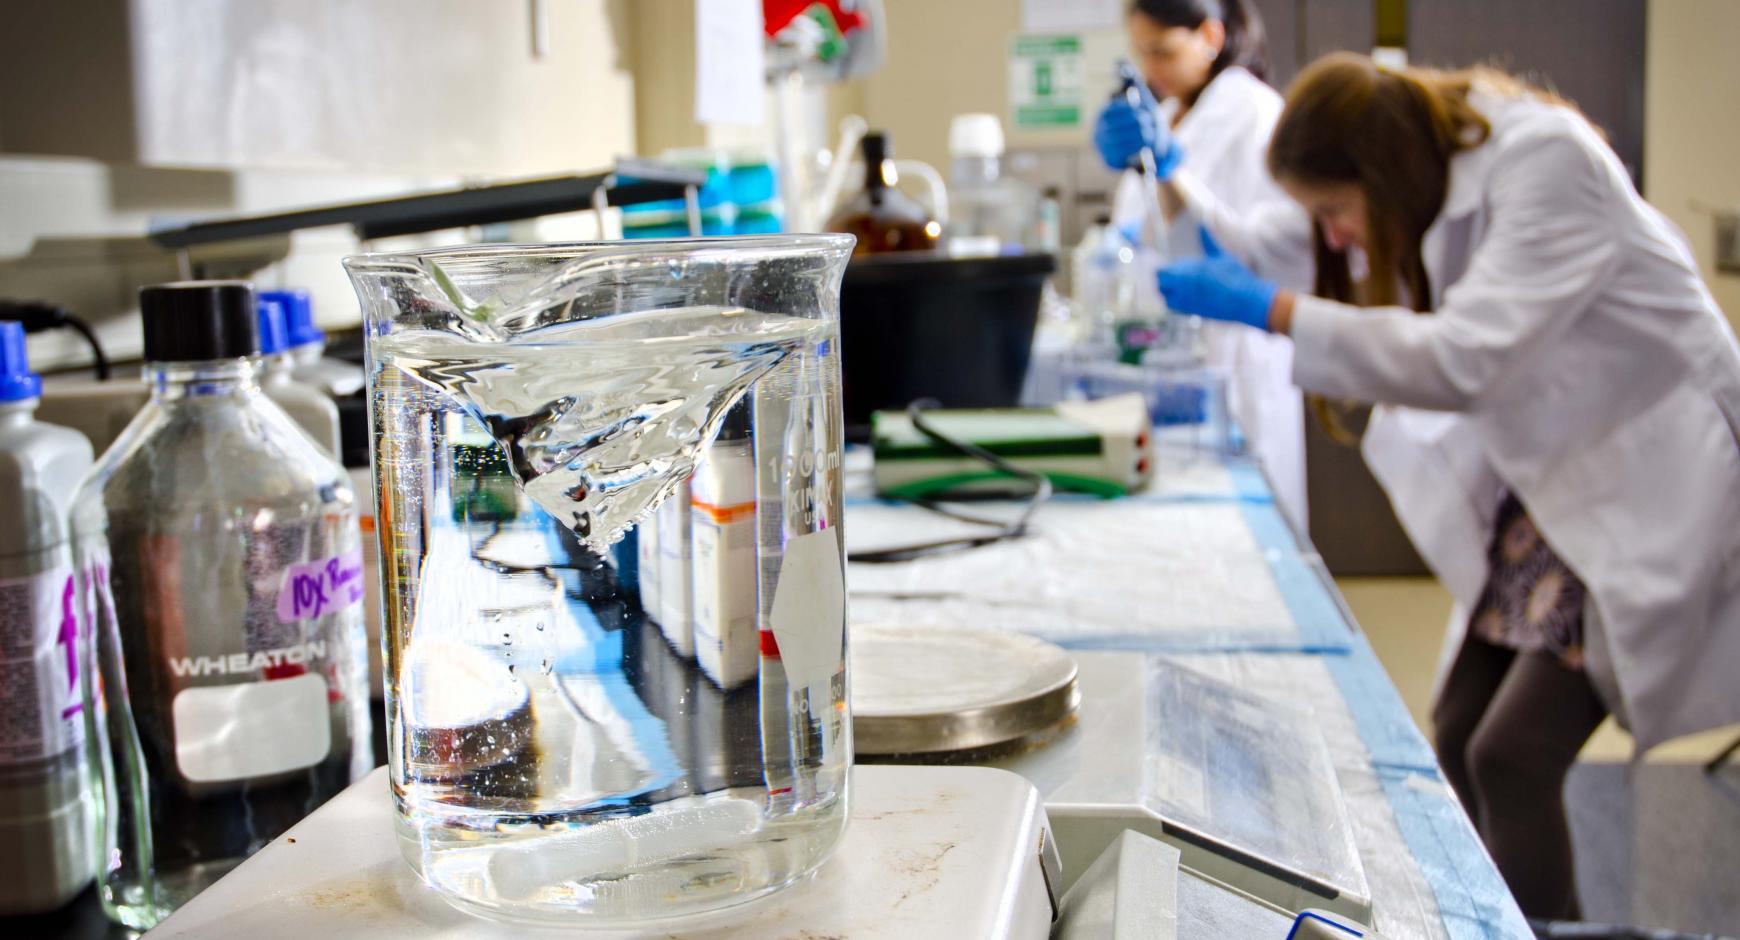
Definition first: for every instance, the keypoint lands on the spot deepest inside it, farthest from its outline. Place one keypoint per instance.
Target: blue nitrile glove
(1217, 287)
(1125, 127)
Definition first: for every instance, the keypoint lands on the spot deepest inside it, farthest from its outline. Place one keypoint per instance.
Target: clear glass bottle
(554, 757)
(221, 596)
(306, 344)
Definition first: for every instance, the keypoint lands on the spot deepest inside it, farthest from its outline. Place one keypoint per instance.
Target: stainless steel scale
(930, 852)
(1242, 794)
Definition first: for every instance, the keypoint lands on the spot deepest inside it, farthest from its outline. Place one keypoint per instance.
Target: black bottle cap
(735, 427)
(876, 147)
(194, 321)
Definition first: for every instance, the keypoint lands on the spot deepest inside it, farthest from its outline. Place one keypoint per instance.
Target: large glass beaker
(612, 569)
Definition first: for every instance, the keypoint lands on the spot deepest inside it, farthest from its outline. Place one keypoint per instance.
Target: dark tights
(1508, 727)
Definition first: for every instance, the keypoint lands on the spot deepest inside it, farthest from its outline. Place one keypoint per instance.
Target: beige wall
(662, 37)
(943, 59)
(947, 58)
(1692, 124)
(662, 40)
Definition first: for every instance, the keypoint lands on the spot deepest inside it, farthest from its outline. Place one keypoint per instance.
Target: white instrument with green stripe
(1101, 447)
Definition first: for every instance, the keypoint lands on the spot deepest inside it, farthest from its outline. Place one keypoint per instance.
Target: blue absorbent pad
(1472, 898)
(1321, 626)
(1385, 725)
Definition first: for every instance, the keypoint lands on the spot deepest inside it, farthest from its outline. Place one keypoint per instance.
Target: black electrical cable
(1005, 530)
(38, 316)
(1042, 486)
(99, 359)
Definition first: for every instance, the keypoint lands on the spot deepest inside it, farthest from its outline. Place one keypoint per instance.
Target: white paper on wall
(1046, 16)
(729, 62)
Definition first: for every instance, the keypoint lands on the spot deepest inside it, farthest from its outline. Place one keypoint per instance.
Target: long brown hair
(1392, 133)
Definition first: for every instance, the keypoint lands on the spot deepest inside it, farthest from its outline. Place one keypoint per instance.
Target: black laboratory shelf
(630, 182)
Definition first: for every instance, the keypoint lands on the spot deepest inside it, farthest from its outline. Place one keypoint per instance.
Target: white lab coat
(1576, 357)
(1225, 138)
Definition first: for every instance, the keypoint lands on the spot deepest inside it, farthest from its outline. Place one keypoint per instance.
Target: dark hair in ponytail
(1245, 44)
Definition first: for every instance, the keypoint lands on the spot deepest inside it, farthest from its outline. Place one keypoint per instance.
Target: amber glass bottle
(883, 218)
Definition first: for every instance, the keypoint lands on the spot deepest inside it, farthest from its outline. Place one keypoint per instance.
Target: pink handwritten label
(318, 588)
(68, 637)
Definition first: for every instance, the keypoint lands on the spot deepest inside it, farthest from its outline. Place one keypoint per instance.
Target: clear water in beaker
(611, 698)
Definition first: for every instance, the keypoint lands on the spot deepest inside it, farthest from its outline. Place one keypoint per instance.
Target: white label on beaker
(251, 729)
(809, 608)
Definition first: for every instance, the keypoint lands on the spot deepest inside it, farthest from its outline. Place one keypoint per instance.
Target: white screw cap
(975, 135)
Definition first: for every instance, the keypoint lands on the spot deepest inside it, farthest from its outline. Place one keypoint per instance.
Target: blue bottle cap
(299, 328)
(17, 382)
(273, 336)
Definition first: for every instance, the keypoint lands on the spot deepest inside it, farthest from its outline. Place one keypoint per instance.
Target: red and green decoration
(834, 18)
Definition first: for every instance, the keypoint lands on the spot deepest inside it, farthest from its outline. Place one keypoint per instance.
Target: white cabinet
(395, 86)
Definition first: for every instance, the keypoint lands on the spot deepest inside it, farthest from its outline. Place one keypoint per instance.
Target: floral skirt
(1532, 599)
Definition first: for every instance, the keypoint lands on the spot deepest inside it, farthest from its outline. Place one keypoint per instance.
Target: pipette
(1131, 86)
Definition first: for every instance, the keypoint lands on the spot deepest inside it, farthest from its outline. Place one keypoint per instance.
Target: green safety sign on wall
(1045, 81)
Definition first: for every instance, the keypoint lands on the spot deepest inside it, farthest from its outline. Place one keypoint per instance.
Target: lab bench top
(1203, 571)
(1200, 569)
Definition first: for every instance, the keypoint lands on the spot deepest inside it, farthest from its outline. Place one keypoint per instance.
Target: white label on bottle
(251, 729)
(40, 711)
(727, 644)
(318, 588)
(674, 609)
(650, 584)
(809, 609)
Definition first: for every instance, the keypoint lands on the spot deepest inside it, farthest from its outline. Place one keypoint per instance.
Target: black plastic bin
(959, 330)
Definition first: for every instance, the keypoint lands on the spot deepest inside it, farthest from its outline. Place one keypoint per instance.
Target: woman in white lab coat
(1204, 60)
(1559, 399)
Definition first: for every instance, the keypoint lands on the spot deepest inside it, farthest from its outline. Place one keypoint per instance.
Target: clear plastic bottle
(1101, 281)
(308, 406)
(221, 582)
(306, 345)
(989, 211)
(1048, 222)
(45, 799)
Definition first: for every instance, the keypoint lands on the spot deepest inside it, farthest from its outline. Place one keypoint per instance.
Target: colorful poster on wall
(1045, 81)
